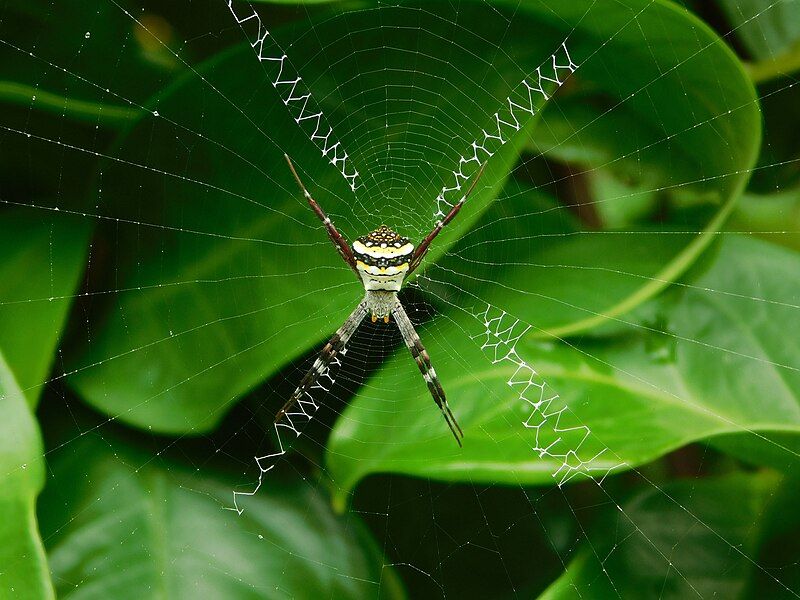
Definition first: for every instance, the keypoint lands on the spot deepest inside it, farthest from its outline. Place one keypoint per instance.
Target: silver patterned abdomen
(380, 304)
(382, 259)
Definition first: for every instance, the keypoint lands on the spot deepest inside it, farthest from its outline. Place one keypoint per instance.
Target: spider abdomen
(380, 304)
(382, 259)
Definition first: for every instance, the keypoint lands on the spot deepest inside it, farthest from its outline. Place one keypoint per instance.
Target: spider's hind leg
(423, 361)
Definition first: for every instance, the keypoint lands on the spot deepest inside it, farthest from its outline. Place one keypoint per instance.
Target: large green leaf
(233, 295)
(624, 115)
(42, 262)
(529, 259)
(43, 259)
(23, 567)
(684, 539)
(718, 361)
(667, 149)
(118, 526)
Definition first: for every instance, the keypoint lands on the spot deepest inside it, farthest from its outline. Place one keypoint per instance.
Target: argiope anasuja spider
(382, 260)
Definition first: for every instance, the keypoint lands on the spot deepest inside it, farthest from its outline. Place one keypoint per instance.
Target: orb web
(210, 286)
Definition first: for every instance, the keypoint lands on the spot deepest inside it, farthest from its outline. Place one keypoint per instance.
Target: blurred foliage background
(163, 288)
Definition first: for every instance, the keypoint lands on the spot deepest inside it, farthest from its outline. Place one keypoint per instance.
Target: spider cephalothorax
(382, 259)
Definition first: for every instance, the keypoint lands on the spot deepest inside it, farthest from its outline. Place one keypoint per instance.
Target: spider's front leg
(337, 238)
(424, 245)
(423, 361)
(335, 346)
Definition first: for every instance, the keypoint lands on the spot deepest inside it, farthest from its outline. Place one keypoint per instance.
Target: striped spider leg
(336, 345)
(414, 344)
(422, 249)
(337, 238)
(382, 260)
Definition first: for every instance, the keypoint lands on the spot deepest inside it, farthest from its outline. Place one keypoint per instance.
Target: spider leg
(334, 346)
(422, 249)
(337, 238)
(423, 361)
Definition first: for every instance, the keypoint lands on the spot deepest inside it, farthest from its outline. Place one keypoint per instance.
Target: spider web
(373, 129)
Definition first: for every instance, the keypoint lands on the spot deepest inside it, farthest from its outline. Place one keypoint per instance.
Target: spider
(382, 260)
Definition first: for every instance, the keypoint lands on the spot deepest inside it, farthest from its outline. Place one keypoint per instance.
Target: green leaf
(748, 330)
(625, 114)
(23, 566)
(586, 128)
(634, 201)
(716, 362)
(119, 526)
(615, 122)
(568, 281)
(80, 110)
(767, 28)
(43, 259)
(770, 32)
(228, 293)
(684, 539)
